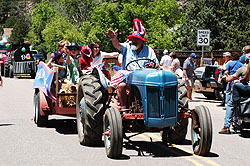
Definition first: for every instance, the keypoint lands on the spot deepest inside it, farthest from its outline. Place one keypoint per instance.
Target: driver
(133, 50)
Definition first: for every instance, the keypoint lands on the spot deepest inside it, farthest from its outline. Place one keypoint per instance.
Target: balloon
(7, 45)
(27, 56)
(2, 44)
(27, 42)
(23, 49)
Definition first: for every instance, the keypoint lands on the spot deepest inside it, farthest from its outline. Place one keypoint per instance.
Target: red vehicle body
(46, 104)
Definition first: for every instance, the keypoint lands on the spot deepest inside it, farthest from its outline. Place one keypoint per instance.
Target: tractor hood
(152, 77)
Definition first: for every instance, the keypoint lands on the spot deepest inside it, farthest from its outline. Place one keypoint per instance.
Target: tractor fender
(99, 74)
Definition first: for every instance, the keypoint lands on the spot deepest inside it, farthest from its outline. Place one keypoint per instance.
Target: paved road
(22, 143)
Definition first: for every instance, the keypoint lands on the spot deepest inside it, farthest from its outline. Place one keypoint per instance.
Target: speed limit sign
(203, 37)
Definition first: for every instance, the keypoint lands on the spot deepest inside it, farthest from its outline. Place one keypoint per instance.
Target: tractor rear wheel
(177, 134)
(40, 120)
(202, 135)
(11, 74)
(6, 67)
(90, 118)
(113, 133)
(2, 69)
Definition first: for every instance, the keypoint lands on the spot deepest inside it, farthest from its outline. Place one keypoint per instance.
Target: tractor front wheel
(201, 130)
(112, 127)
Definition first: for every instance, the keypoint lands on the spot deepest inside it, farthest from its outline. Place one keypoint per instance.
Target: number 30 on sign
(203, 37)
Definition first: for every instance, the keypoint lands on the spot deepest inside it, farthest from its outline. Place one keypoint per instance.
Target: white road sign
(203, 37)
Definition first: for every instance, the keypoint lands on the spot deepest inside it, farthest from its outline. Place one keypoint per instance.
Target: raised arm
(110, 55)
(68, 59)
(113, 35)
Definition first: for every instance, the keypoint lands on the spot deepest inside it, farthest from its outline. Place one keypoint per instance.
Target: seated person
(86, 58)
(73, 68)
(58, 59)
(132, 51)
(98, 55)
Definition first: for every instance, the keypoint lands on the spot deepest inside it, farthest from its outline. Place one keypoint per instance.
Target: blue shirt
(130, 55)
(233, 66)
(243, 59)
(188, 65)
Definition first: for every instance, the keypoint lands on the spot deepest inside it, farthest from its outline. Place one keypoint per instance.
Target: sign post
(203, 39)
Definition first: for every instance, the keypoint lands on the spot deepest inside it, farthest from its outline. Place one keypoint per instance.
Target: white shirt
(99, 59)
(166, 61)
(177, 64)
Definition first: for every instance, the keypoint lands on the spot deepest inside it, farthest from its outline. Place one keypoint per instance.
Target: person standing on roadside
(188, 73)
(166, 61)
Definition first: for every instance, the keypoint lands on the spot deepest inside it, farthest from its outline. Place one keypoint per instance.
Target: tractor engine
(155, 94)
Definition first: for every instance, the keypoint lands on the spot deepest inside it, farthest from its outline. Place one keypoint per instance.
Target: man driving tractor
(133, 50)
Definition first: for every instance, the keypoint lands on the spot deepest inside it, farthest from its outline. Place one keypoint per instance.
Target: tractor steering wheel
(142, 59)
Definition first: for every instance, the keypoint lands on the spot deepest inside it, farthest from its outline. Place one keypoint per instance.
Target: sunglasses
(73, 49)
(96, 47)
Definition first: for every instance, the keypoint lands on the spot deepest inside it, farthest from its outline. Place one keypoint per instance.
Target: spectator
(245, 50)
(222, 69)
(175, 62)
(231, 68)
(235, 97)
(188, 73)
(166, 61)
(214, 62)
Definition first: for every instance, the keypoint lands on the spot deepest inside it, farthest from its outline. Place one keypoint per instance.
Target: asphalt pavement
(23, 143)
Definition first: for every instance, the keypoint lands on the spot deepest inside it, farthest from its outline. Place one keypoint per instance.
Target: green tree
(42, 14)
(227, 21)
(20, 30)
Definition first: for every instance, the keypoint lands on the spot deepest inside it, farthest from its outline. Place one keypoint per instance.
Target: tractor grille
(161, 102)
(24, 67)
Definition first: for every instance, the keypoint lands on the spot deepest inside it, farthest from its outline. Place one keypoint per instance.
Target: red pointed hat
(138, 30)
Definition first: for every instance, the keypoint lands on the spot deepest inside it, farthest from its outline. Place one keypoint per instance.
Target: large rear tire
(177, 134)
(2, 69)
(6, 67)
(113, 133)
(40, 120)
(11, 74)
(91, 100)
(202, 136)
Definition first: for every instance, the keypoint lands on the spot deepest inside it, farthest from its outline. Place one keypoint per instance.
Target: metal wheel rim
(107, 137)
(196, 137)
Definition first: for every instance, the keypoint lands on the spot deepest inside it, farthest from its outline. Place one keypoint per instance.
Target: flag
(119, 76)
(100, 66)
(43, 79)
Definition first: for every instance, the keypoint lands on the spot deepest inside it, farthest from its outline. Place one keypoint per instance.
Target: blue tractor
(157, 101)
